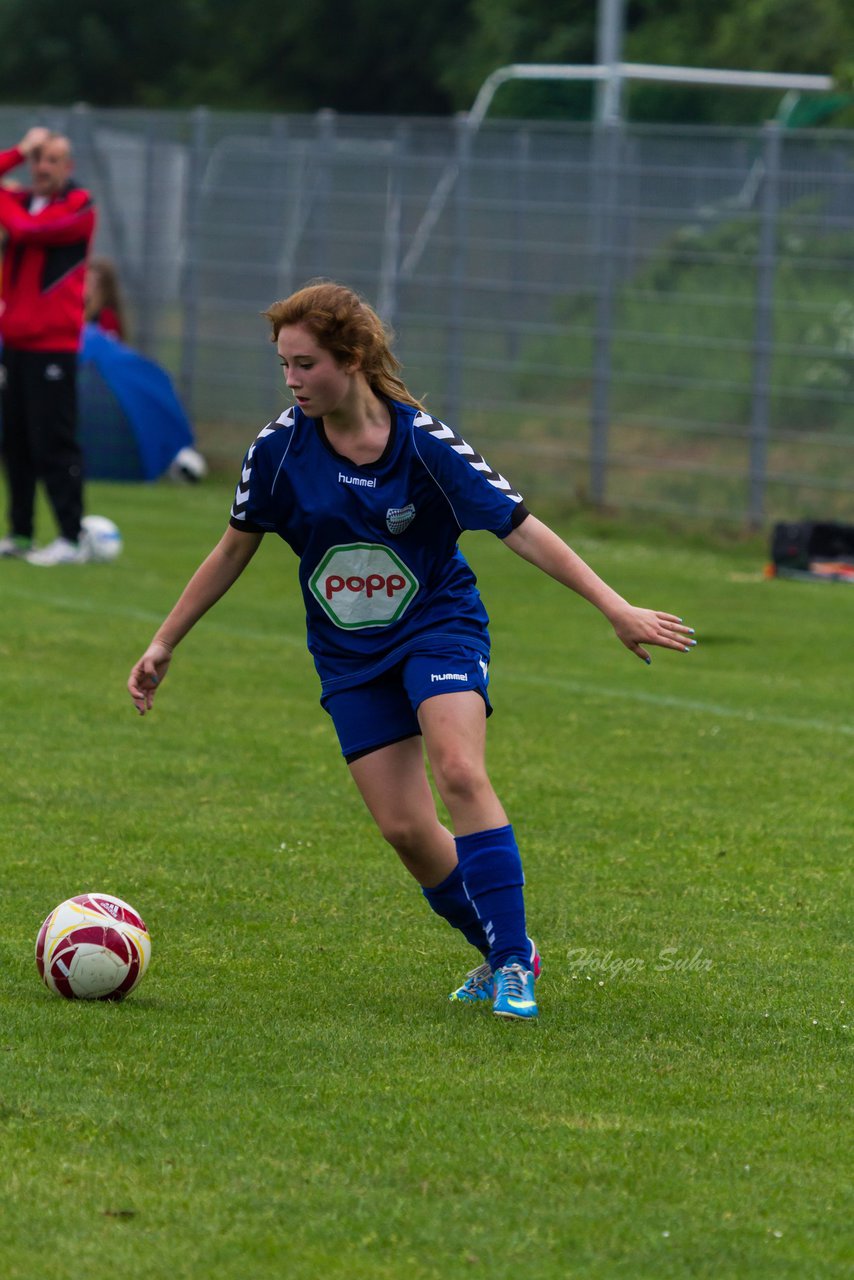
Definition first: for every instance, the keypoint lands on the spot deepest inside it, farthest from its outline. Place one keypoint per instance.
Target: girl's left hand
(147, 674)
(638, 627)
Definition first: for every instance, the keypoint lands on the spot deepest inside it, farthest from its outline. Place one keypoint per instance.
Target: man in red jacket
(49, 229)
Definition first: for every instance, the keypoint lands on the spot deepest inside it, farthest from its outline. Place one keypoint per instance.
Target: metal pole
(763, 333)
(610, 24)
(620, 71)
(606, 149)
(325, 133)
(279, 139)
(518, 272)
(149, 274)
(112, 227)
(389, 276)
(455, 330)
(192, 252)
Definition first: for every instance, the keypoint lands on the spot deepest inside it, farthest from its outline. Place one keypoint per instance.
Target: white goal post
(618, 71)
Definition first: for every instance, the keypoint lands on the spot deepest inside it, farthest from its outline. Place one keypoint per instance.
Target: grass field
(289, 1093)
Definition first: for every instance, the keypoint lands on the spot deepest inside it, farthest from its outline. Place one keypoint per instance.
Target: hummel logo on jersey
(54, 373)
(448, 675)
(399, 518)
(357, 480)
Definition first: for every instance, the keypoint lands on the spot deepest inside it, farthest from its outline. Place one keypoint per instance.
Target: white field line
(747, 715)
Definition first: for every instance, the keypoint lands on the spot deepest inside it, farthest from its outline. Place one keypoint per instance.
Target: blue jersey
(380, 570)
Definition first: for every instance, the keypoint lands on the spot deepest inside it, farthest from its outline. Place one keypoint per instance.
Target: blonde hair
(349, 329)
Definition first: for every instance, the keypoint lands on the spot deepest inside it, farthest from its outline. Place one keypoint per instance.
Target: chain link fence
(640, 317)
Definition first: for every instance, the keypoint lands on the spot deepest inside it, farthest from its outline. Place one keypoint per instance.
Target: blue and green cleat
(478, 985)
(514, 992)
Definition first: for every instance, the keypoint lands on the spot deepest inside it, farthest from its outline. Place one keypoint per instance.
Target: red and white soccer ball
(93, 947)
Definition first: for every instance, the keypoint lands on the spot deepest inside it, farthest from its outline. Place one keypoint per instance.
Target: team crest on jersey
(362, 584)
(399, 518)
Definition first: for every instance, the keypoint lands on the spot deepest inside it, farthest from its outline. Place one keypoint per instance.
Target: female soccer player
(372, 493)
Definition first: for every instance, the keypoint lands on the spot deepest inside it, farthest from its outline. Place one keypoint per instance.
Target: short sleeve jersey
(379, 566)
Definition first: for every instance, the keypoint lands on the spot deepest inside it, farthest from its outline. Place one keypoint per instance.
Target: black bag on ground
(798, 546)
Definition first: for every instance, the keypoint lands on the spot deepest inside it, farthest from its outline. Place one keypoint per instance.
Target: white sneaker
(60, 551)
(14, 548)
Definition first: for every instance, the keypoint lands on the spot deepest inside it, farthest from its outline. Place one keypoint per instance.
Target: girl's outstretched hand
(638, 627)
(146, 676)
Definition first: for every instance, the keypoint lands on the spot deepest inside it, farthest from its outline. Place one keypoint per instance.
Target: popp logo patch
(362, 585)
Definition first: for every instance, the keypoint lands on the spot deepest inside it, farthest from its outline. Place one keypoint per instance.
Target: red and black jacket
(44, 265)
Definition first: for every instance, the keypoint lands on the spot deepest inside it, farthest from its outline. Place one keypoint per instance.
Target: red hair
(349, 329)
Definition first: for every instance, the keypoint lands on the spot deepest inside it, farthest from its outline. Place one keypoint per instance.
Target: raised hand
(33, 139)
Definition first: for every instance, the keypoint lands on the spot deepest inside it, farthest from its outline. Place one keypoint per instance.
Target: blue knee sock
(450, 901)
(492, 874)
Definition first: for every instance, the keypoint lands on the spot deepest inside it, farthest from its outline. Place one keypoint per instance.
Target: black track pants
(39, 404)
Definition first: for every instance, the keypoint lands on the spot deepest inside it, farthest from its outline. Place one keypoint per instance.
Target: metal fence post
(192, 250)
(145, 327)
(456, 286)
(321, 191)
(279, 175)
(604, 189)
(518, 272)
(763, 329)
(389, 273)
(112, 226)
(79, 127)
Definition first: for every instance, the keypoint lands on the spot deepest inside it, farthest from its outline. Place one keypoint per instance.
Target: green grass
(289, 1093)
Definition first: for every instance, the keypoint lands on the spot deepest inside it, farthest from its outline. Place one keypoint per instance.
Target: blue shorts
(384, 710)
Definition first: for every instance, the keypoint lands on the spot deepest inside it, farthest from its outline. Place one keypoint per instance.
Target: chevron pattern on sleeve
(440, 431)
(241, 493)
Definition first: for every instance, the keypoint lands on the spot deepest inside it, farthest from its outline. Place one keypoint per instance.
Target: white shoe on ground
(60, 551)
(14, 548)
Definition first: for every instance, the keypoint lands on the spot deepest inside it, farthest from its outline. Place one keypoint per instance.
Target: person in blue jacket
(372, 493)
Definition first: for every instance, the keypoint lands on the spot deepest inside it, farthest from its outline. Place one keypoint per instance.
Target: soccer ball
(92, 947)
(101, 538)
